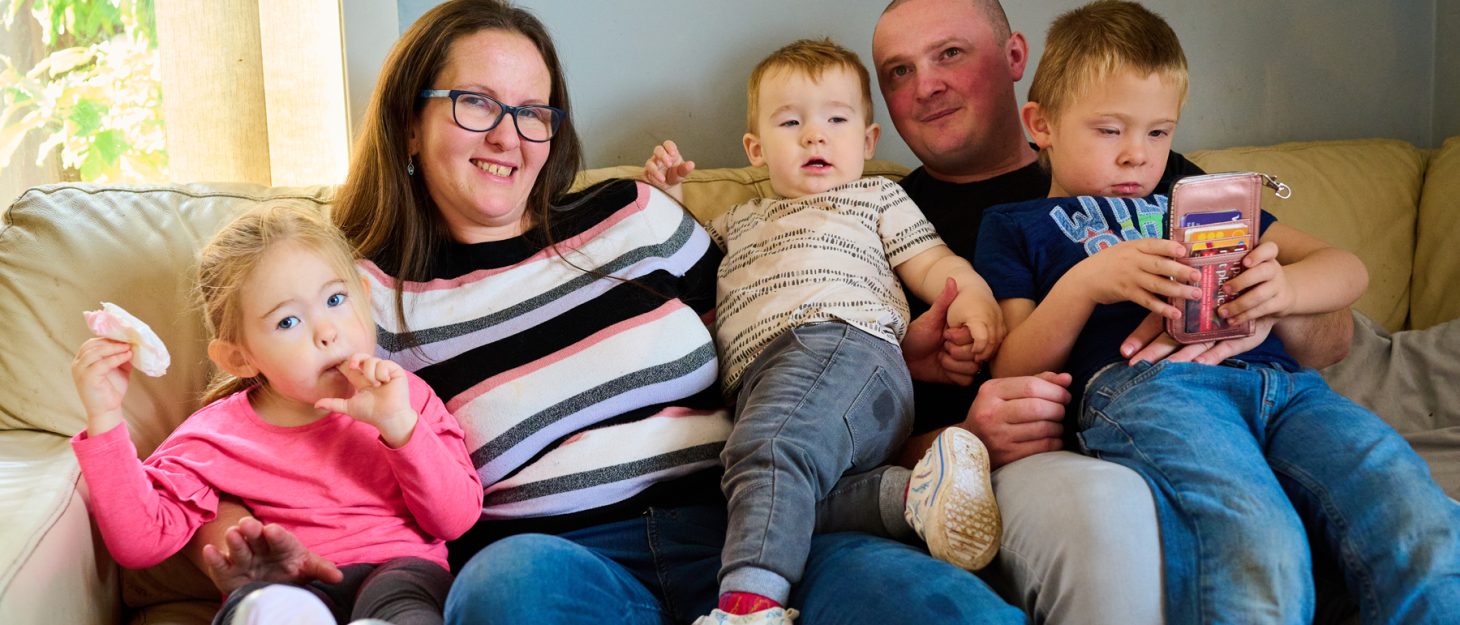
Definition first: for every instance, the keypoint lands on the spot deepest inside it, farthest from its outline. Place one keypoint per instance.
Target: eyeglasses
(479, 112)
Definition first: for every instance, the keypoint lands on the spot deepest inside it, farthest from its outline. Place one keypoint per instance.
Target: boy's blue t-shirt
(1024, 248)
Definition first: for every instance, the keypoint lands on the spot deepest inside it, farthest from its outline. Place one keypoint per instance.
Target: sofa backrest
(1435, 287)
(709, 192)
(1357, 195)
(66, 248)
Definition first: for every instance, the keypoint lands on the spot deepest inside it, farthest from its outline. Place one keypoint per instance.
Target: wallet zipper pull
(1283, 191)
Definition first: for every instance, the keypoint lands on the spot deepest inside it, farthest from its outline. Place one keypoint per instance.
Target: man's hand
(1020, 416)
(264, 553)
(1151, 343)
(936, 353)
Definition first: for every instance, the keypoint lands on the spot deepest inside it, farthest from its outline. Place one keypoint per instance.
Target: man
(1080, 541)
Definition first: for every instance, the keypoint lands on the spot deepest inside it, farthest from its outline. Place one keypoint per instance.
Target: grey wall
(1263, 71)
(1447, 70)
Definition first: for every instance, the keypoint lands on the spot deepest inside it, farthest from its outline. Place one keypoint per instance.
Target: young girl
(352, 454)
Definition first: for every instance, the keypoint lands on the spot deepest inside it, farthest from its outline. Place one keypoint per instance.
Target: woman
(566, 334)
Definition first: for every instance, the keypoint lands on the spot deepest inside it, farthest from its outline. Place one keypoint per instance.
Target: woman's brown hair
(387, 214)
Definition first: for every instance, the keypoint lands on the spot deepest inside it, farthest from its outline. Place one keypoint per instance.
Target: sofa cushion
(1358, 195)
(64, 249)
(1433, 298)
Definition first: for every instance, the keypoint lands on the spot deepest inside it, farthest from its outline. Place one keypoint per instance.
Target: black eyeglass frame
(453, 94)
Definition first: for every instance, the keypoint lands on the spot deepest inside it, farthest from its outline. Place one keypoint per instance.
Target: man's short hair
(1100, 39)
(992, 9)
(811, 57)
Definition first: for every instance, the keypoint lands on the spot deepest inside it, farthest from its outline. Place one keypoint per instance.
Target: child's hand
(382, 397)
(1264, 287)
(102, 370)
(1141, 271)
(933, 351)
(666, 169)
(980, 314)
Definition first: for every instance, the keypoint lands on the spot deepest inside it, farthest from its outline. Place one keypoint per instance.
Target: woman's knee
(511, 569)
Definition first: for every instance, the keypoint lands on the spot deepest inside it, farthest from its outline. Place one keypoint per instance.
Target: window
(80, 93)
(251, 90)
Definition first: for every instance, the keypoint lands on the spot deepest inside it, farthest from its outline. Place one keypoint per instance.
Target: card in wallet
(1216, 217)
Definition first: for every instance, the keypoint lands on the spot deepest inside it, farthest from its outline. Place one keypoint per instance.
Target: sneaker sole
(964, 527)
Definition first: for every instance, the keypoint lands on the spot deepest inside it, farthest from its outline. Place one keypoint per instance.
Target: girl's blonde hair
(233, 254)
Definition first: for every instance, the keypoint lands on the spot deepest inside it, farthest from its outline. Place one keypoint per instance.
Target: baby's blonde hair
(233, 254)
(1101, 39)
(811, 57)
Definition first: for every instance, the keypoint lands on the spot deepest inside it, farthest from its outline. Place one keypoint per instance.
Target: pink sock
(738, 603)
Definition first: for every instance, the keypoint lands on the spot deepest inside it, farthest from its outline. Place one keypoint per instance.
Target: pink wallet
(1216, 217)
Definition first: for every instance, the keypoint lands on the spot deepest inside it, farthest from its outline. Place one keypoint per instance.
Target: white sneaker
(950, 501)
(281, 604)
(772, 616)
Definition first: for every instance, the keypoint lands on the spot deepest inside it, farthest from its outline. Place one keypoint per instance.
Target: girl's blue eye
(790, 123)
(335, 300)
(288, 322)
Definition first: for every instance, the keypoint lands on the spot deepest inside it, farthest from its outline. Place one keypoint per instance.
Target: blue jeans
(820, 401)
(659, 569)
(1247, 463)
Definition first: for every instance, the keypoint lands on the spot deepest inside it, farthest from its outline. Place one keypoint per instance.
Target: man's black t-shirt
(956, 210)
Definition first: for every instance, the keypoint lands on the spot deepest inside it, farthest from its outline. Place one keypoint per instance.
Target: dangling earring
(410, 165)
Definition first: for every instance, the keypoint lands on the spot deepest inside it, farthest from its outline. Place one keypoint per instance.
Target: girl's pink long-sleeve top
(333, 483)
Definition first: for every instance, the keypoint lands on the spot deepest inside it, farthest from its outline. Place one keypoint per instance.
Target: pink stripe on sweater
(572, 243)
(486, 386)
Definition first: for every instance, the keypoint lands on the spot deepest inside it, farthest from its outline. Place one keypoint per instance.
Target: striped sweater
(820, 257)
(576, 389)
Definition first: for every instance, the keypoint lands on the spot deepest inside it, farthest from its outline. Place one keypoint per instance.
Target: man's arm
(1319, 340)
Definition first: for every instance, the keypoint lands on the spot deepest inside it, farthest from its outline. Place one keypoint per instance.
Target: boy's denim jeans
(1247, 463)
(822, 400)
(659, 569)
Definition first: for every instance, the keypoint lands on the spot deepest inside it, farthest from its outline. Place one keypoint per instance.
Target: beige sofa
(65, 247)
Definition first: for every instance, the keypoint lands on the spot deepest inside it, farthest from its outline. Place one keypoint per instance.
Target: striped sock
(745, 603)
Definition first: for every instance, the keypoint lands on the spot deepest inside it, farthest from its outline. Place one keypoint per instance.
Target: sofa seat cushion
(1360, 195)
(1433, 298)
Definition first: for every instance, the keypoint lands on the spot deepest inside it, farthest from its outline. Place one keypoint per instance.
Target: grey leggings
(404, 591)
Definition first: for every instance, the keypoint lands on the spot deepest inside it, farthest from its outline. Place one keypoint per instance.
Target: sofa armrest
(53, 566)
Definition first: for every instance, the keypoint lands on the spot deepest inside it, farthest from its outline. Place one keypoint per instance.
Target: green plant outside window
(96, 96)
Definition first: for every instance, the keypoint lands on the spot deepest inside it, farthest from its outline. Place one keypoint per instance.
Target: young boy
(1250, 459)
(809, 318)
